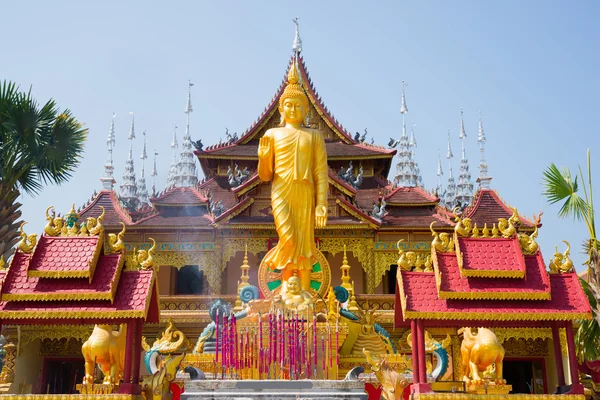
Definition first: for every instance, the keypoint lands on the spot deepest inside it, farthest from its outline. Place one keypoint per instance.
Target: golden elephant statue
(393, 383)
(479, 352)
(107, 349)
(158, 386)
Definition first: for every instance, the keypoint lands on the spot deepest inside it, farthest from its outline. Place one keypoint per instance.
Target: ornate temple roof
(414, 217)
(180, 196)
(450, 294)
(407, 196)
(487, 208)
(68, 279)
(115, 213)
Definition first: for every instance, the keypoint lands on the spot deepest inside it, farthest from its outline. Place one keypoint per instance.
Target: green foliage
(563, 186)
(39, 145)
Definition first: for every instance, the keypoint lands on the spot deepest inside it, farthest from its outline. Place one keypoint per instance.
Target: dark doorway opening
(525, 376)
(189, 280)
(62, 375)
(391, 275)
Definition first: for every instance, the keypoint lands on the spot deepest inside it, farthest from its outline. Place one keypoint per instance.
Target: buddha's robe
(297, 167)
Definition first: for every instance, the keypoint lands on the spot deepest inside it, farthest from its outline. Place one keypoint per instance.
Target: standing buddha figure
(294, 159)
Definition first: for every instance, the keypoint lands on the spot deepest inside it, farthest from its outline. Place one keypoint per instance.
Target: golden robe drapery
(297, 167)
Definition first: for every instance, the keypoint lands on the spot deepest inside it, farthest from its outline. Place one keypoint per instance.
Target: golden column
(346, 283)
(244, 280)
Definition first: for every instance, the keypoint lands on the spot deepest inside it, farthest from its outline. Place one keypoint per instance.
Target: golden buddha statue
(293, 157)
(294, 298)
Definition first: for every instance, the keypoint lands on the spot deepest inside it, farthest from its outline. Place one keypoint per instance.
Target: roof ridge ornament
(108, 180)
(297, 46)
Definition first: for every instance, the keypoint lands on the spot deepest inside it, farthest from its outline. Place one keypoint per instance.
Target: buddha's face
(293, 285)
(293, 111)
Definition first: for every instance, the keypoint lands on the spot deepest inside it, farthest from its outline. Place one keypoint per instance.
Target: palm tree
(38, 146)
(562, 186)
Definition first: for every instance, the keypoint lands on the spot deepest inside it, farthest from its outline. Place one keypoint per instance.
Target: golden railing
(201, 303)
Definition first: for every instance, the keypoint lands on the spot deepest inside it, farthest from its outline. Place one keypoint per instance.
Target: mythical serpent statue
(54, 225)
(146, 257)
(115, 242)
(171, 341)
(107, 349)
(463, 225)
(28, 242)
(158, 386)
(561, 263)
(439, 351)
(441, 241)
(94, 225)
(479, 352)
(406, 259)
(393, 383)
(528, 244)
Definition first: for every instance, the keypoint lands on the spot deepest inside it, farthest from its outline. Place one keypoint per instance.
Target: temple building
(209, 234)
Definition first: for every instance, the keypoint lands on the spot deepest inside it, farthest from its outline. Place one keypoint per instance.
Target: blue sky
(530, 67)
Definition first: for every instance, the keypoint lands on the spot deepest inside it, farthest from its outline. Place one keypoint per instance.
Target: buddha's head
(293, 103)
(293, 285)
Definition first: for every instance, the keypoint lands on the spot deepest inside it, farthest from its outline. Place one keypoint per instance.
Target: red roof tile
(491, 257)
(219, 190)
(114, 212)
(487, 208)
(451, 285)
(176, 196)
(135, 296)
(20, 287)
(419, 300)
(65, 257)
(410, 196)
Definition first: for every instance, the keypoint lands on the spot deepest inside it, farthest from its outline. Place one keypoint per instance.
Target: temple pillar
(560, 370)
(415, 351)
(128, 352)
(576, 386)
(420, 384)
(137, 350)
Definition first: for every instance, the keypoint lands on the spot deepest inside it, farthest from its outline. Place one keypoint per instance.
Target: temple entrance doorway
(525, 375)
(61, 375)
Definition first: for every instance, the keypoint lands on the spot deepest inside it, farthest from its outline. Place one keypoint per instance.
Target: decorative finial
(440, 172)
(186, 167)
(449, 154)
(142, 191)
(413, 141)
(483, 166)
(292, 77)
(463, 134)
(297, 46)
(154, 174)
(404, 108)
(108, 180)
(132, 129)
(188, 105)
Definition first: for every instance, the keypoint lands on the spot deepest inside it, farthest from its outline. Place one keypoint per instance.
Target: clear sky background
(531, 67)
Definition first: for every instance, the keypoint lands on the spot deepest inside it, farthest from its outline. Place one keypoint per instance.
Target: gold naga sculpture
(561, 263)
(479, 352)
(366, 337)
(158, 386)
(107, 349)
(27, 242)
(393, 383)
(294, 159)
(443, 242)
(145, 258)
(527, 242)
(463, 226)
(54, 225)
(115, 242)
(94, 225)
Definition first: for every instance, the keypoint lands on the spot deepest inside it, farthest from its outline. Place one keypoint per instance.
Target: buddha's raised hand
(264, 147)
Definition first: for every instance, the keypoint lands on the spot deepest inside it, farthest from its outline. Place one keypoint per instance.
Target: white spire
(171, 177)
(154, 174)
(403, 108)
(413, 146)
(128, 187)
(297, 46)
(142, 191)
(463, 134)
(108, 180)
(186, 167)
(439, 174)
(484, 179)
(464, 187)
(449, 154)
(450, 195)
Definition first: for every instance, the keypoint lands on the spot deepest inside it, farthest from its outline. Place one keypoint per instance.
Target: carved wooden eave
(356, 213)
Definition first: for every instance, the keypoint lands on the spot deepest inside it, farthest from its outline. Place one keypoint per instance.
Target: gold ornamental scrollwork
(361, 248)
(231, 246)
(204, 260)
(51, 332)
